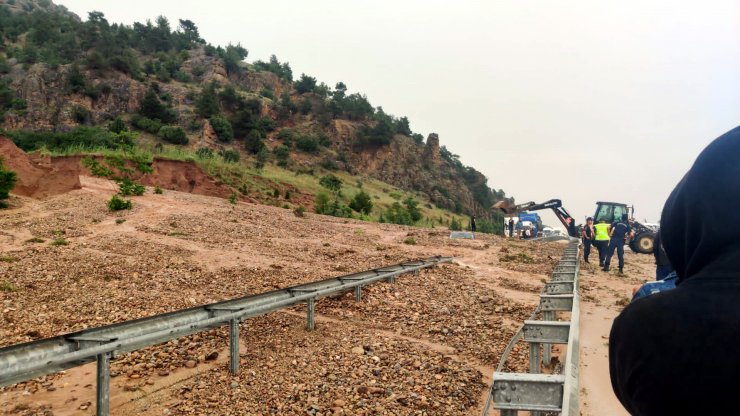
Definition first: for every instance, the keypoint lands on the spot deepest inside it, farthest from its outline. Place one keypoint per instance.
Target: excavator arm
(555, 205)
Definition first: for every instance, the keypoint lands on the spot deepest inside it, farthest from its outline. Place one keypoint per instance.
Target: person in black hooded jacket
(676, 352)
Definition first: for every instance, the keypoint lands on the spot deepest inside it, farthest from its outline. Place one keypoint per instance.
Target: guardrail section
(536, 392)
(25, 361)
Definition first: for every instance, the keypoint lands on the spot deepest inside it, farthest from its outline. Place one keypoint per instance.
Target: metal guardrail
(536, 392)
(25, 361)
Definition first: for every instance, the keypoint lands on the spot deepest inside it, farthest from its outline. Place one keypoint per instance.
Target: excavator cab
(612, 212)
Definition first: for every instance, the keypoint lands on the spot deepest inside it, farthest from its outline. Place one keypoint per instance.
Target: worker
(662, 265)
(511, 227)
(587, 236)
(472, 223)
(619, 230)
(601, 239)
(675, 352)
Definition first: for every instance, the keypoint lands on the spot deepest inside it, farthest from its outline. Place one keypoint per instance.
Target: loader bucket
(504, 206)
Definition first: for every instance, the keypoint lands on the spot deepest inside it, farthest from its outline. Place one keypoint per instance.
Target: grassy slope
(261, 184)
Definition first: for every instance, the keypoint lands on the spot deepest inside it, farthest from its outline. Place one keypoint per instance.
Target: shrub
(7, 182)
(96, 168)
(254, 143)
(222, 127)
(75, 80)
(455, 225)
(80, 114)
(127, 187)
(286, 135)
(329, 164)
(7, 286)
(207, 103)
(59, 242)
(232, 198)
(146, 124)
(151, 107)
(331, 182)
(117, 125)
(300, 211)
(410, 241)
(120, 221)
(305, 106)
(204, 153)
(116, 203)
(362, 203)
(261, 159)
(266, 124)
(321, 203)
(397, 214)
(412, 206)
(230, 156)
(307, 144)
(158, 190)
(172, 134)
(267, 93)
(282, 154)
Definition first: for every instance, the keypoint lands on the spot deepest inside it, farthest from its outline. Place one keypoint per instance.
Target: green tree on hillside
(151, 107)
(7, 182)
(75, 79)
(207, 103)
(222, 127)
(190, 31)
(305, 84)
(233, 55)
(362, 203)
(282, 70)
(254, 143)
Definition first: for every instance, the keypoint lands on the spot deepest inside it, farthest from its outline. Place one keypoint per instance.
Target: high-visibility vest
(602, 232)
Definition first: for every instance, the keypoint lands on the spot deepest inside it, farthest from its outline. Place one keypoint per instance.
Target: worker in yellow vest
(601, 240)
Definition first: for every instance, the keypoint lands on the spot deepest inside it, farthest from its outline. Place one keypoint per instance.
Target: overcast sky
(581, 100)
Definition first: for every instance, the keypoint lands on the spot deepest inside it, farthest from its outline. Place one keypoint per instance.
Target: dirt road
(603, 296)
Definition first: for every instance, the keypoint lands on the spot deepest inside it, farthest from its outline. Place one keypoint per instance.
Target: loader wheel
(643, 243)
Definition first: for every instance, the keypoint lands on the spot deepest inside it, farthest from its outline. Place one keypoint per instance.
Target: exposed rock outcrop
(432, 155)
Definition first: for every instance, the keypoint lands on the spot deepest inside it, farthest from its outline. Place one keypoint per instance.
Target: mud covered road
(426, 345)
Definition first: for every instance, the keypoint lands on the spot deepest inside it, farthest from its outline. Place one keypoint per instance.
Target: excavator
(610, 212)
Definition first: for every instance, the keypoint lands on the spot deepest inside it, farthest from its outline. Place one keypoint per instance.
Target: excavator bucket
(505, 206)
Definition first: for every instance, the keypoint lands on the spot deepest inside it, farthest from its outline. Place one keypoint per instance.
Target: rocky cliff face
(410, 166)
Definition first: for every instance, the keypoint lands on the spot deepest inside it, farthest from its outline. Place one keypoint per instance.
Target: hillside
(96, 84)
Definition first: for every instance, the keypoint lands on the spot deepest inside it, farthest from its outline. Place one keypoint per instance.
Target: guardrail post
(534, 363)
(358, 293)
(234, 346)
(534, 358)
(392, 279)
(102, 394)
(509, 412)
(310, 324)
(547, 348)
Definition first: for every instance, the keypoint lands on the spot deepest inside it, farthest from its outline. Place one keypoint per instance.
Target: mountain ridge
(117, 68)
